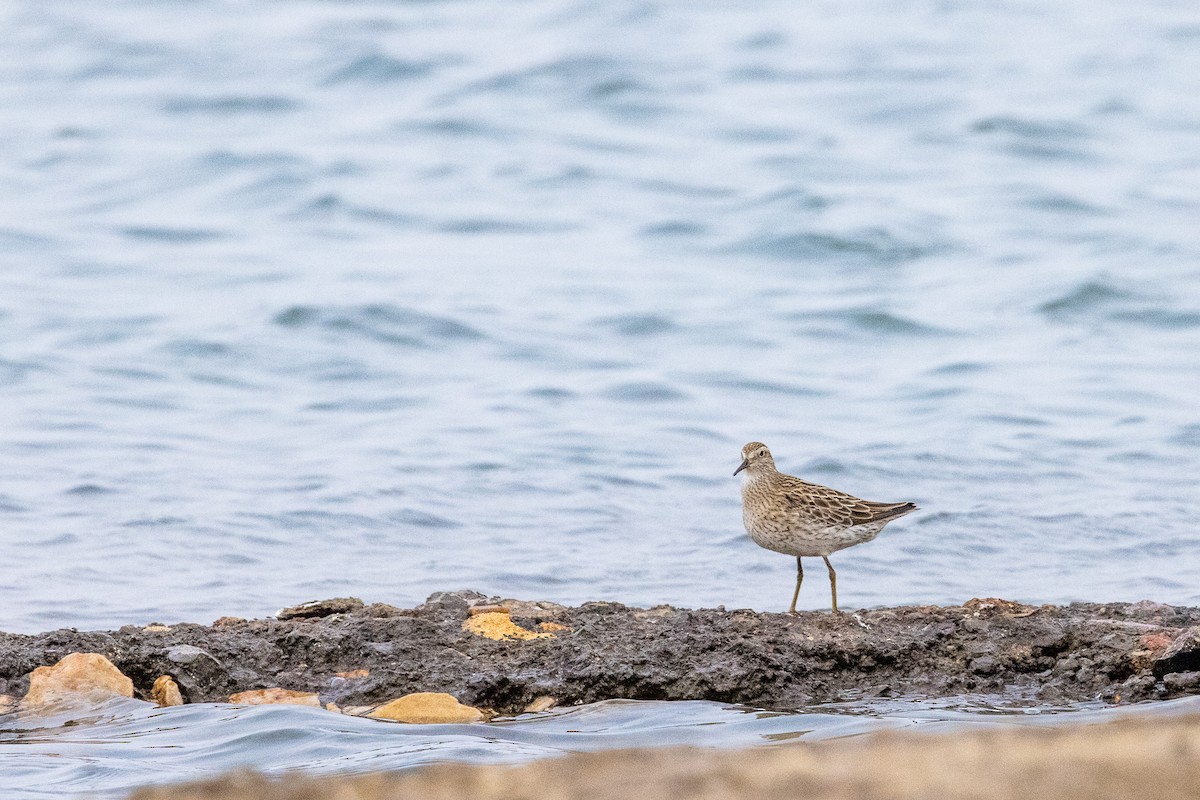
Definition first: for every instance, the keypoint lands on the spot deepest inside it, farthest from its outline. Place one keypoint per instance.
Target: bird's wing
(838, 508)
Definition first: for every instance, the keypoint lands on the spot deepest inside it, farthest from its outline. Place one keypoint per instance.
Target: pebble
(166, 692)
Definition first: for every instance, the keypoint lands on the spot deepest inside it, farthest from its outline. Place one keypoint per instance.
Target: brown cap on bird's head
(755, 454)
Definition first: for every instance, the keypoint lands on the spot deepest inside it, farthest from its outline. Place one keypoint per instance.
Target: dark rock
(984, 665)
(454, 602)
(1182, 656)
(195, 670)
(600, 651)
(321, 608)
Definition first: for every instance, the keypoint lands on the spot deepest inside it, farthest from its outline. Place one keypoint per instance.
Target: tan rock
(261, 697)
(540, 704)
(427, 707)
(156, 628)
(499, 625)
(7, 703)
(354, 673)
(77, 676)
(552, 627)
(166, 692)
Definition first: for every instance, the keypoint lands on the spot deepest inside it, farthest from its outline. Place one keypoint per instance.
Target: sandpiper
(798, 518)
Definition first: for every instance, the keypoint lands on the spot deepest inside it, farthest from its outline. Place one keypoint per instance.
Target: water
(127, 744)
(306, 299)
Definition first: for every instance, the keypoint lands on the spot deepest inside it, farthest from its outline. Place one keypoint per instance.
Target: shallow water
(127, 744)
(316, 298)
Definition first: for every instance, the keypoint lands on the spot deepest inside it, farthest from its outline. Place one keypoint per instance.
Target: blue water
(302, 299)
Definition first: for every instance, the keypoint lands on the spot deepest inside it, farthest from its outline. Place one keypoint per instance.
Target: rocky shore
(507, 656)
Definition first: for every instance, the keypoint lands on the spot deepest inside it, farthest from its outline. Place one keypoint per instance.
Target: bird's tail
(882, 512)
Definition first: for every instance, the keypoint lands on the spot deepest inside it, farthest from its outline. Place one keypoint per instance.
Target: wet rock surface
(369, 654)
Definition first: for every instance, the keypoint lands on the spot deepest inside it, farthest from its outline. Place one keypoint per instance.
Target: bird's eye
(762, 453)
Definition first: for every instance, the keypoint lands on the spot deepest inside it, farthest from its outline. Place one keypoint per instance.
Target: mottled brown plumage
(789, 515)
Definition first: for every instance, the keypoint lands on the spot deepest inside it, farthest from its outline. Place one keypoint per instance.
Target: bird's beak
(744, 464)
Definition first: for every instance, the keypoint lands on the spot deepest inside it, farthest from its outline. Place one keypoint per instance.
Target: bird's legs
(799, 577)
(832, 583)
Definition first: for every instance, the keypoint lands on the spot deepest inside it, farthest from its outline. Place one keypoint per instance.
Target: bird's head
(755, 457)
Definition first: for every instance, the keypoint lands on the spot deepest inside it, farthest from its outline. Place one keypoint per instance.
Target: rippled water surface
(129, 744)
(301, 299)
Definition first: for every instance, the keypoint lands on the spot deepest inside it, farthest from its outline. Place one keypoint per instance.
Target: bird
(792, 516)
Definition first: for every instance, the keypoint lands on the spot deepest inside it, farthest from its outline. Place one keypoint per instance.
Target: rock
(275, 696)
(195, 669)
(166, 692)
(995, 606)
(321, 608)
(1182, 682)
(7, 703)
(79, 675)
(455, 602)
(156, 627)
(353, 674)
(611, 651)
(499, 625)
(540, 704)
(188, 654)
(984, 665)
(386, 610)
(1182, 656)
(427, 708)
(490, 608)
(1155, 642)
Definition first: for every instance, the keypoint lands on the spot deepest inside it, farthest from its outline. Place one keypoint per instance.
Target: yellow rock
(427, 707)
(499, 625)
(156, 628)
(78, 675)
(260, 697)
(551, 627)
(166, 692)
(354, 673)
